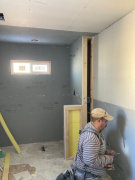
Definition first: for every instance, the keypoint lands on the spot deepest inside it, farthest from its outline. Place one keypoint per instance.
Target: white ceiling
(91, 16)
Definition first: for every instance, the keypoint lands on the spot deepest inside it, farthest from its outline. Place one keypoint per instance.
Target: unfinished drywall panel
(32, 105)
(102, 66)
(119, 100)
(114, 59)
(121, 61)
(105, 65)
(76, 72)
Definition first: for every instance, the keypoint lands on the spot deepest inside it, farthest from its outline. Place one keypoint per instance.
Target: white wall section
(114, 63)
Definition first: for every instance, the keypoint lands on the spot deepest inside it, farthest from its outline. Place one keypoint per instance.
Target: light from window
(41, 68)
(21, 67)
(30, 67)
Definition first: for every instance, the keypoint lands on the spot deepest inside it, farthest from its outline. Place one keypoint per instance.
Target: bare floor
(34, 164)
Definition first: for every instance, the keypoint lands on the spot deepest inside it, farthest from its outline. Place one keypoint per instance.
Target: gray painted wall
(119, 135)
(32, 105)
(76, 72)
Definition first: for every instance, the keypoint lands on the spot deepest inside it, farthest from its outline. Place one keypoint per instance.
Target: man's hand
(111, 158)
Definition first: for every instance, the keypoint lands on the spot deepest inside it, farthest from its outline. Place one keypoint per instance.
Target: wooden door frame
(83, 107)
(66, 127)
(85, 40)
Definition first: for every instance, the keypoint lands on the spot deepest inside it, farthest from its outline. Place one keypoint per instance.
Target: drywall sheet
(76, 72)
(74, 127)
(114, 62)
(119, 135)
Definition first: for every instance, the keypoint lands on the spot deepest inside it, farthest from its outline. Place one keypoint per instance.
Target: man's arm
(91, 155)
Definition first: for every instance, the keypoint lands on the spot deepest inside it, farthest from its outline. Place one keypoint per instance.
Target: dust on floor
(46, 165)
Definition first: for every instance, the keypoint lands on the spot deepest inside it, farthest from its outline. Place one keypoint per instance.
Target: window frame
(31, 65)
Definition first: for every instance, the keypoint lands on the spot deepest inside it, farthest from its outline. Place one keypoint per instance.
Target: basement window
(30, 67)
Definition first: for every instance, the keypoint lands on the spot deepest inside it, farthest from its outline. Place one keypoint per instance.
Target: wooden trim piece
(91, 85)
(73, 107)
(5, 174)
(66, 135)
(84, 80)
(87, 37)
(9, 134)
(84, 76)
(81, 119)
(6, 167)
(71, 158)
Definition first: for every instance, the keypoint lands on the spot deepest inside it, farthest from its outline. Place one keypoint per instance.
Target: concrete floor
(46, 165)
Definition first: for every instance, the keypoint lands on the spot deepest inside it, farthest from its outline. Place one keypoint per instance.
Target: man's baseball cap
(101, 113)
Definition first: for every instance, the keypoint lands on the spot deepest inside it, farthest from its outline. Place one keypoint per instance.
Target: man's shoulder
(89, 133)
(88, 125)
(89, 136)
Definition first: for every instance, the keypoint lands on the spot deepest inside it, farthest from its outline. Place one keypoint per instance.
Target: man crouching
(91, 160)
